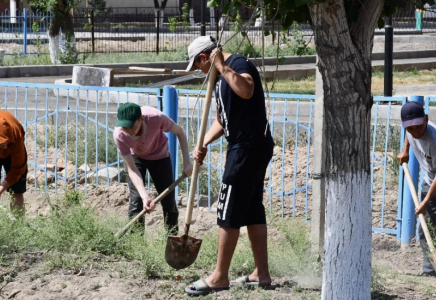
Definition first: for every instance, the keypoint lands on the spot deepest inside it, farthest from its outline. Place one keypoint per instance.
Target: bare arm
(214, 132)
(178, 131)
(403, 156)
(137, 181)
(241, 84)
(4, 186)
(422, 207)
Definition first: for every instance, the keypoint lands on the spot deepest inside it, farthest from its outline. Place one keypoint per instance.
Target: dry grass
(412, 77)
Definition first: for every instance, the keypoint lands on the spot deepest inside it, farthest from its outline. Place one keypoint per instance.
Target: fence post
(25, 31)
(171, 108)
(418, 16)
(408, 220)
(92, 32)
(389, 49)
(157, 30)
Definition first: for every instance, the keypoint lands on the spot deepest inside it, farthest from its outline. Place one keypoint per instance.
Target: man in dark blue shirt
(242, 120)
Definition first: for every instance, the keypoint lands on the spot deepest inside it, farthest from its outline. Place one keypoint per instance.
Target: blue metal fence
(69, 129)
(69, 126)
(26, 32)
(386, 142)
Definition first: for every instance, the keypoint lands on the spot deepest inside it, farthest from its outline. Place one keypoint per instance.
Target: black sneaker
(429, 274)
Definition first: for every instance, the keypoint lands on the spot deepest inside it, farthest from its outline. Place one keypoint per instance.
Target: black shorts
(20, 186)
(241, 194)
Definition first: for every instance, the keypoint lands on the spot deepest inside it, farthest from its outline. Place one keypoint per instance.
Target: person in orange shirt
(13, 158)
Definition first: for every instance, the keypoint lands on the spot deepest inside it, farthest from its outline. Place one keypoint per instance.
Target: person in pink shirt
(140, 138)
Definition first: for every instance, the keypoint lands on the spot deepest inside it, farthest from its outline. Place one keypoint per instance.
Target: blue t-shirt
(244, 120)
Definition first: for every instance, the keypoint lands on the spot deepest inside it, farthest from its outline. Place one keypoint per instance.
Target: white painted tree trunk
(53, 43)
(347, 261)
(161, 17)
(59, 44)
(260, 21)
(13, 9)
(344, 62)
(222, 23)
(212, 17)
(191, 17)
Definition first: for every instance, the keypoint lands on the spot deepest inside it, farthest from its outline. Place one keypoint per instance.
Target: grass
(173, 54)
(383, 278)
(71, 236)
(72, 239)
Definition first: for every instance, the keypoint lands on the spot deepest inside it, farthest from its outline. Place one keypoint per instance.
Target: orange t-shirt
(13, 133)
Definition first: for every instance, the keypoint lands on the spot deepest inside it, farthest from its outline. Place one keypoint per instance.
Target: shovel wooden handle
(162, 195)
(421, 216)
(200, 140)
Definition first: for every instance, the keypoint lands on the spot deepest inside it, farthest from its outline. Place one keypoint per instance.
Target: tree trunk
(191, 13)
(62, 42)
(191, 17)
(161, 17)
(13, 11)
(344, 52)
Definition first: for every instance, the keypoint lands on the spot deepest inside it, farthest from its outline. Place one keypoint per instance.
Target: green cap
(127, 114)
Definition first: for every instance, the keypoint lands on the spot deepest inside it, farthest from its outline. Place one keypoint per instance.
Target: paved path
(25, 99)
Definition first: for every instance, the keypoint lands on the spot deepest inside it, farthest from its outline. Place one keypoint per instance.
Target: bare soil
(396, 269)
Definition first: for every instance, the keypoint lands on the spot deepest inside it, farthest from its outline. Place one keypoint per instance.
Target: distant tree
(344, 35)
(60, 28)
(99, 6)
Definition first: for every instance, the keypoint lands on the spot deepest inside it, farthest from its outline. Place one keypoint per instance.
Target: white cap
(199, 45)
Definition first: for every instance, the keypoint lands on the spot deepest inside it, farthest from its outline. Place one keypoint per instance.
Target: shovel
(162, 195)
(421, 216)
(182, 251)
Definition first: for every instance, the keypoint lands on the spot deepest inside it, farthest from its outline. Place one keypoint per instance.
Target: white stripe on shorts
(229, 190)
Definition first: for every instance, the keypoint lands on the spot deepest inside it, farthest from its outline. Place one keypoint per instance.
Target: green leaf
(212, 3)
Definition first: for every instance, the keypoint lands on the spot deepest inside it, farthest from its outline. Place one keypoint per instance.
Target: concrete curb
(66, 70)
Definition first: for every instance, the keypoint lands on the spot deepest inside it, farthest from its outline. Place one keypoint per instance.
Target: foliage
(294, 236)
(299, 45)
(38, 42)
(185, 15)
(241, 46)
(377, 281)
(71, 235)
(99, 6)
(57, 7)
(289, 11)
(174, 21)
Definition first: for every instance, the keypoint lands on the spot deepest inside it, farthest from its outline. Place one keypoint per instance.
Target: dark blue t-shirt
(244, 120)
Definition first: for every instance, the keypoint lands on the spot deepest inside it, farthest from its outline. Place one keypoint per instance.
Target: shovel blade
(181, 252)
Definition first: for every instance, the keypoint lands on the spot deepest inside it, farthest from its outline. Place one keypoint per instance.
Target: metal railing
(70, 145)
(124, 30)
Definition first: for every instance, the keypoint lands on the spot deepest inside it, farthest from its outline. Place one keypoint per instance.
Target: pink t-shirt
(152, 144)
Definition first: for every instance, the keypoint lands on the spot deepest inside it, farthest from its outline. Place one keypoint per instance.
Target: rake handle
(162, 195)
(421, 216)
